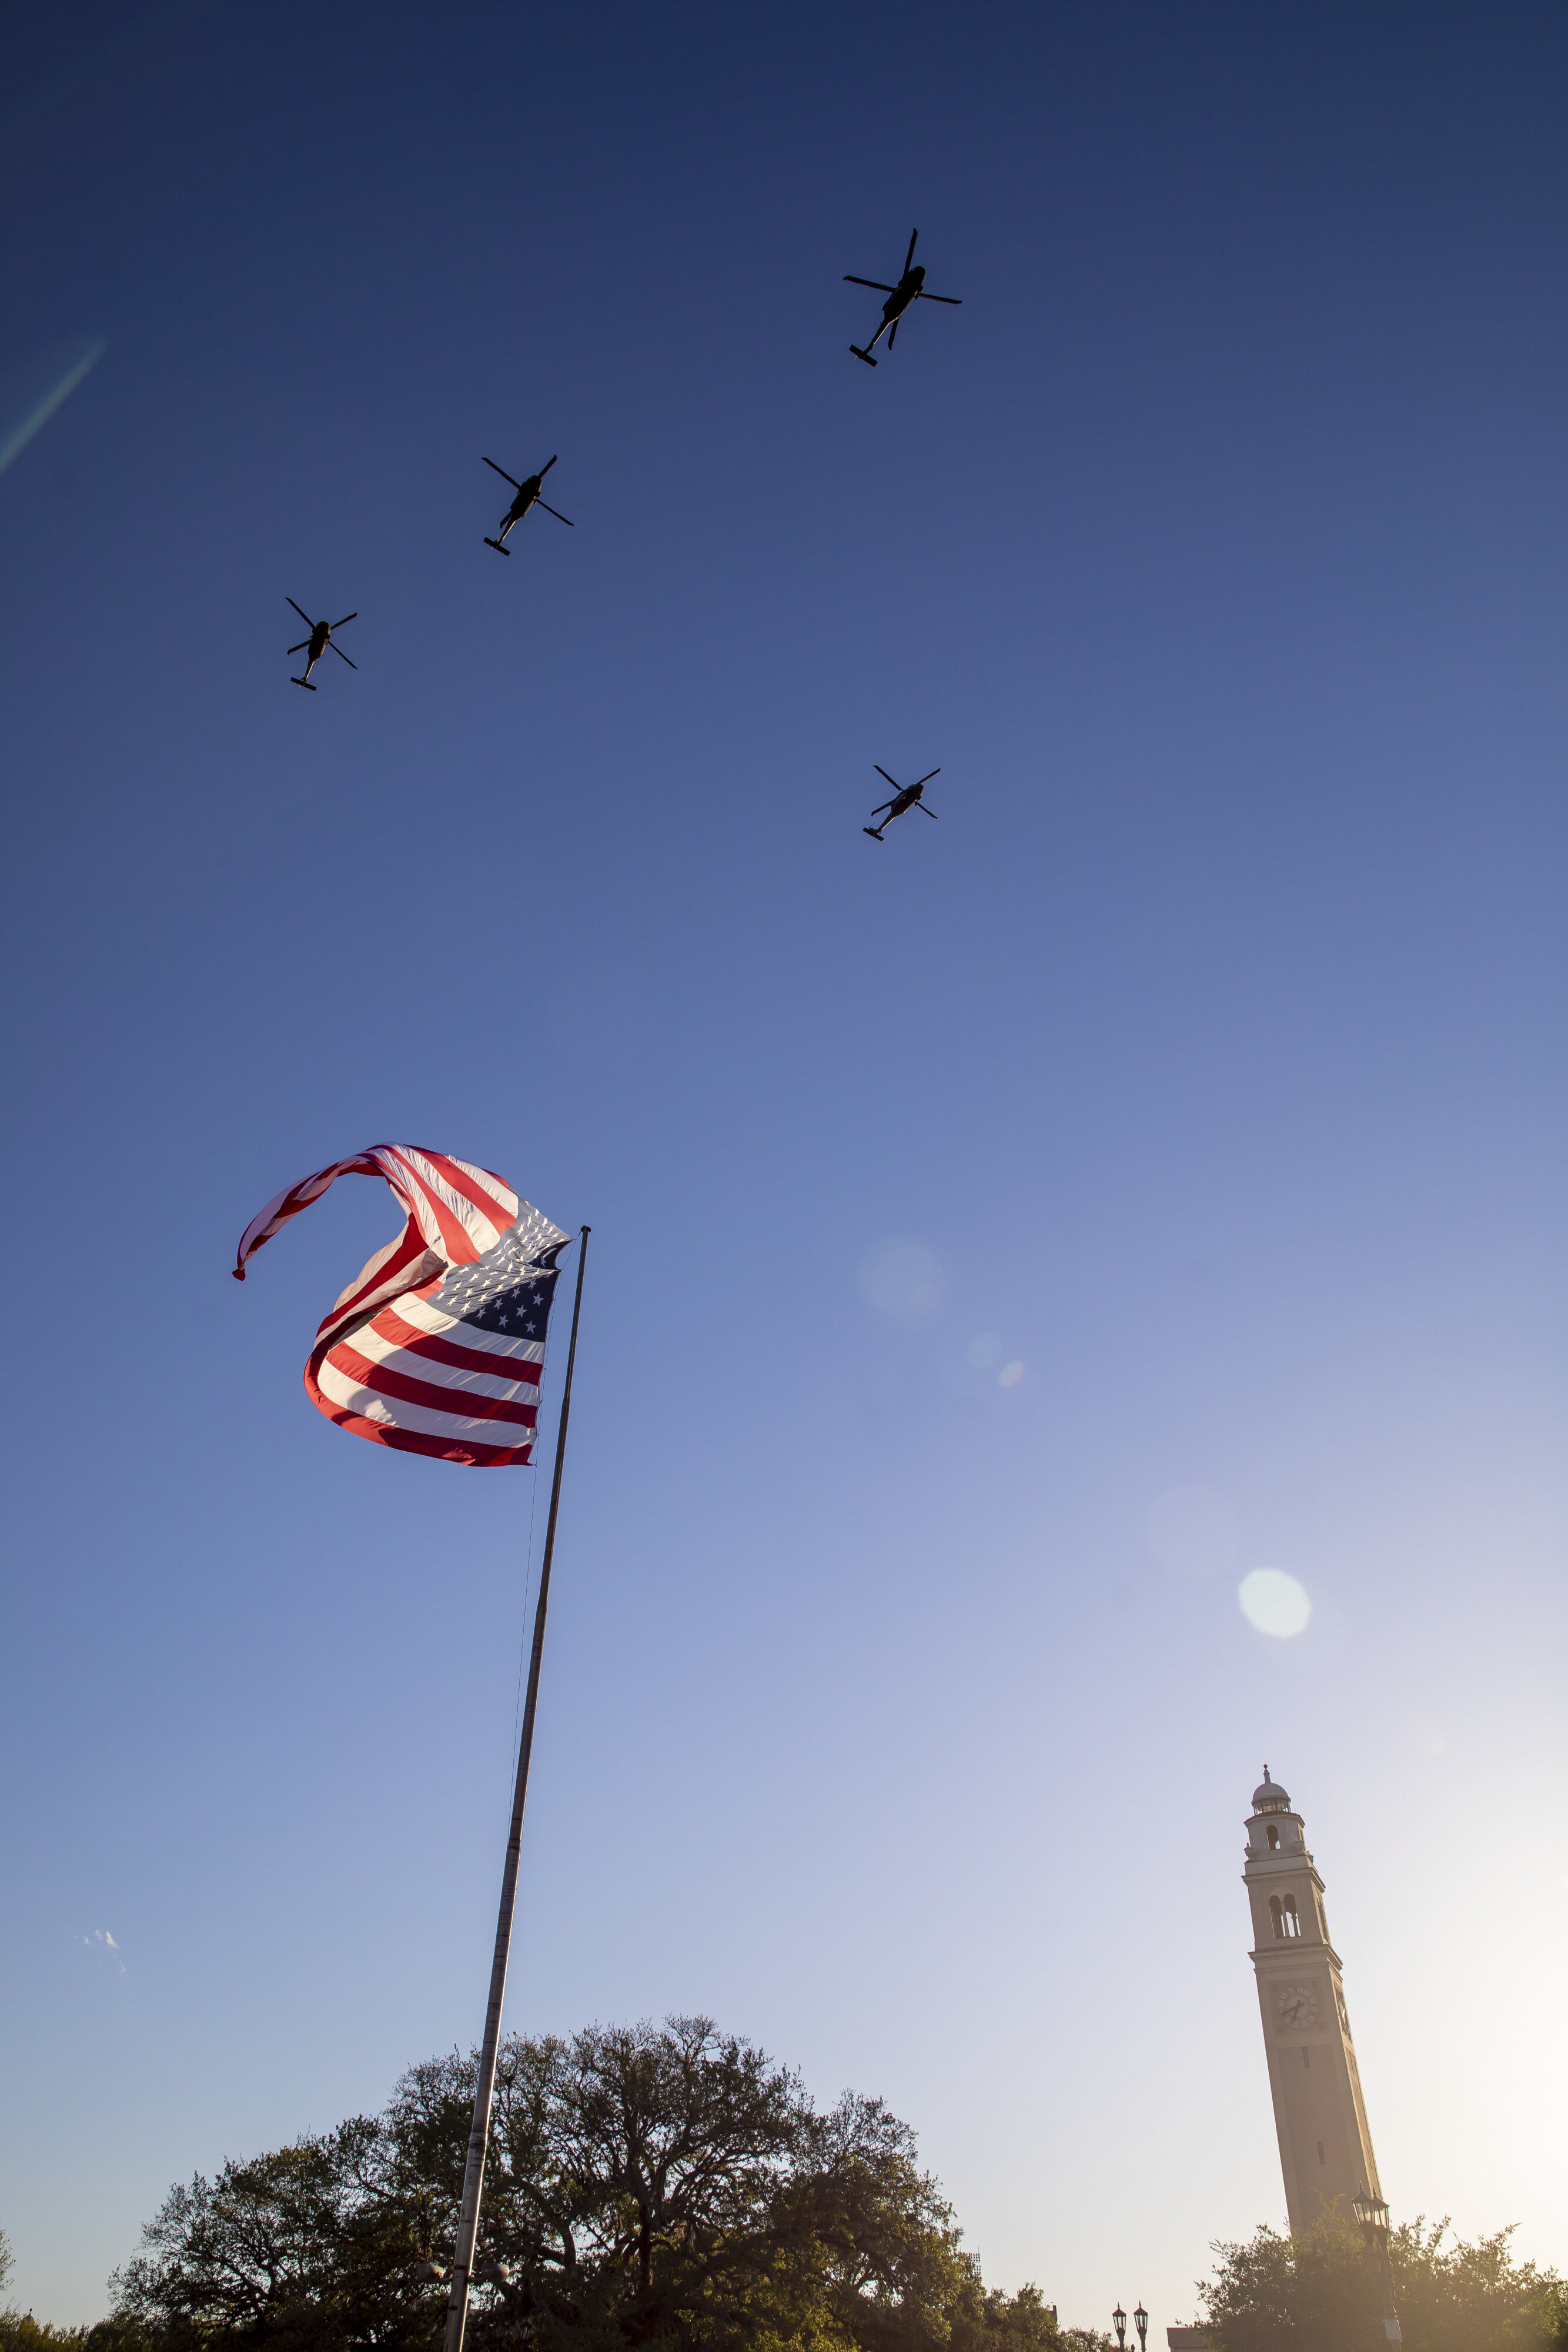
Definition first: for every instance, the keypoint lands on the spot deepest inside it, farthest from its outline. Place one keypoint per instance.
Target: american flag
(437, 1346)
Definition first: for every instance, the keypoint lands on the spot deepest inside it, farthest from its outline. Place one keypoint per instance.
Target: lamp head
(1369, 2210)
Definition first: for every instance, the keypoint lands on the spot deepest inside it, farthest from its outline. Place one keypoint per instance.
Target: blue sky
(1204, 1060)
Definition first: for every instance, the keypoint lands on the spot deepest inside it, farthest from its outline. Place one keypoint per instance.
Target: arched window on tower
(1273, 1836)
(1284, 1913)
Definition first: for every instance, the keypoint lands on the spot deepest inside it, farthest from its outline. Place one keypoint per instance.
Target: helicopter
(910, 289)
(528, 496)
(905, 798)
(317, 643)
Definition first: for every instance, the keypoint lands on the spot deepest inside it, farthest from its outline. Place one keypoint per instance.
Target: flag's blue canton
(506, 1291)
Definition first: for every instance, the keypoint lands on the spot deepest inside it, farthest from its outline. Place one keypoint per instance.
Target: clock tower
(1325, 2148)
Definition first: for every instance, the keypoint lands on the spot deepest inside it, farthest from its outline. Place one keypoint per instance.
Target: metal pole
(474, 2172)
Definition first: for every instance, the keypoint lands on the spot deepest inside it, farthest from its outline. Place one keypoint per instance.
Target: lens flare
(1274, 1602)
(902, 1279)
(1010, 1375)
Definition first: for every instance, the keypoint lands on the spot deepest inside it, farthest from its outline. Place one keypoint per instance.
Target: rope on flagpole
(522, 1628)
(474, 2171)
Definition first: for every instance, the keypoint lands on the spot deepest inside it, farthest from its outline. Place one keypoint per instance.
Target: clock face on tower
(1298, 2005)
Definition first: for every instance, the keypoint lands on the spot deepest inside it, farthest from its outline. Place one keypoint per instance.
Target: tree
(310, 2245)
(19, 2331)
(1318, 2292)
(1472, 2297)
(667, 2188)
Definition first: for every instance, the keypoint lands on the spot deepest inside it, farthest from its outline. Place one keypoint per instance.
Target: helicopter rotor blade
(344, 622)
(871, 281)
(302, 612)
(925, 779)
(930, 813)
(557, 512)
(883, 772)
(342, 656)
(544, 469)
(910, 254)
(496, 469)
(298, 648)
(955, 300)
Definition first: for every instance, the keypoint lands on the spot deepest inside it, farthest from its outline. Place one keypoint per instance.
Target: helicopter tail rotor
(863, 355)
(498, 546)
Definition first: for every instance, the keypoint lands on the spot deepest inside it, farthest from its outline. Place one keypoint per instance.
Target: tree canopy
(661, 2186)
(1318, 2292)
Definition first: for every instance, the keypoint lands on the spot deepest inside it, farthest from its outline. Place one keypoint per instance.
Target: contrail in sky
(30, 394)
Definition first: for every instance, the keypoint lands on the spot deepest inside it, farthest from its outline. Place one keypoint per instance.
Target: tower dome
(1269, 1797)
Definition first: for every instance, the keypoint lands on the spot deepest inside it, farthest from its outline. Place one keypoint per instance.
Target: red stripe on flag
(461, 1402)
(413, 1441)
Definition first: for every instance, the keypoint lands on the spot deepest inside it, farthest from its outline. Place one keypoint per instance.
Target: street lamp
(1141, 2322)
(1372, 2214)
(1119, 2321)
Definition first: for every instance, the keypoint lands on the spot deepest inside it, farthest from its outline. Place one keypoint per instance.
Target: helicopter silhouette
(528, 496)
(910, 289)
(317, 643)
(905, 798)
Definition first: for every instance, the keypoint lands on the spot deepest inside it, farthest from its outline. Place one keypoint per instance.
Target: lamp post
(1141, 2322)
(1119, 2321)
(1372, 2213)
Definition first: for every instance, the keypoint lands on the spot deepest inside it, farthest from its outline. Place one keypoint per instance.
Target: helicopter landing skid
(304, 682)
(863, 355)
(498, 546)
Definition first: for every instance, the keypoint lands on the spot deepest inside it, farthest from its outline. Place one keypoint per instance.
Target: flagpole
(474, 2172)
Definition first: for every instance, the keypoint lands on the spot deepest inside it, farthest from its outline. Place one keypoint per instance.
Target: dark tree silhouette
(646, 2187)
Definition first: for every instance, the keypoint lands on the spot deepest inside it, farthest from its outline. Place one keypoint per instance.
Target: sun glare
(1275, 1602)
